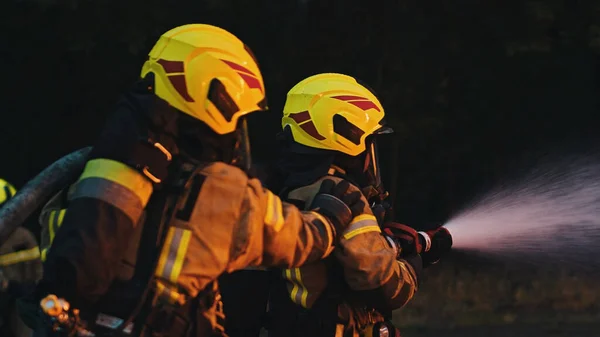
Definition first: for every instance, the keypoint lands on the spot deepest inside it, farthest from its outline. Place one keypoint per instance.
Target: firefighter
(331, 123)
(164, 206)
(20, 269)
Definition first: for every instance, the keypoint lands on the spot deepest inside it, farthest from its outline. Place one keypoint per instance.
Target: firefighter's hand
(405, 237)
(441, 243)
(339, 202)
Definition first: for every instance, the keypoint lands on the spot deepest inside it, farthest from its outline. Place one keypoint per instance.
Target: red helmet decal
(248, 76)
(306, 124)
(358, 101)
(175, 74)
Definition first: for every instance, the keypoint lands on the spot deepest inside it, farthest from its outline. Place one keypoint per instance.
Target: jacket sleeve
(50, 219)
(370, 265)
(290, 237)
(106, 204)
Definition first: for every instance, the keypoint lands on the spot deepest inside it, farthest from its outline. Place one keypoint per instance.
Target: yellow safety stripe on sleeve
(20, 256)
(121, 174)
(363, 223)
(51, 229)
(173, 253)
(299, 292)
(55, 219)
(274, 213)
(43, 254)
(168, 295)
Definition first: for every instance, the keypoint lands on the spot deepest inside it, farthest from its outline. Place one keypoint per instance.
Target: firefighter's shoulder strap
(159, 212)
(166, 320)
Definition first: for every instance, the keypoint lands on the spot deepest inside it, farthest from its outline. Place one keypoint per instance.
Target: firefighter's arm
(50, 219)
(369, 261)
(291, 237)
(372, 270)
(107, 202)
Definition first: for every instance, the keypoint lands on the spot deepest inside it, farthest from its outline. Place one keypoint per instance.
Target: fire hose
(37, 191)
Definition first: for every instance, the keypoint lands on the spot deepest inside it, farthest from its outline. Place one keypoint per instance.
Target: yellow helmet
(6, 191)
(333, 112)
(207, 73)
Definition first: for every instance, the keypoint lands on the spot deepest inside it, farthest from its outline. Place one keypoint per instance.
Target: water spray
(551, 214)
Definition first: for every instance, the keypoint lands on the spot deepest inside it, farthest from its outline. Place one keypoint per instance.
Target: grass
(464, 292)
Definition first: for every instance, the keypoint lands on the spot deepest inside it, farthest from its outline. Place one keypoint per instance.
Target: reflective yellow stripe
(20, 256)
(173, 254)
(363, 223)
(51, 229)
(304, 291)
(55, 219)
(121, 174)
(167, 294)
(299, 292)
(61, 216)
(43, 254)
(274, 213)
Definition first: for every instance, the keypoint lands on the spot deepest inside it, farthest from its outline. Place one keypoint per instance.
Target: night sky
(475, 91)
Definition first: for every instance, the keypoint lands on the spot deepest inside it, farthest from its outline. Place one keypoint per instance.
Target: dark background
(476, 90)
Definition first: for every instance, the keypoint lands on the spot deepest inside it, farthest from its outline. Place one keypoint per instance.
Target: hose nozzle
(434, 244)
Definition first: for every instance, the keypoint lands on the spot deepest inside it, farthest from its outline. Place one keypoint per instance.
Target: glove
(436, 243)
(405, 238)
(408, 247)
(337, 202)
(379, 211)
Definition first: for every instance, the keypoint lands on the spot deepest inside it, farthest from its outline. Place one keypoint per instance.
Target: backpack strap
(160, 211)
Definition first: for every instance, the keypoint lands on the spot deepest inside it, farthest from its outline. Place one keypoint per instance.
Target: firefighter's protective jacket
(370, 268)
(225, 223)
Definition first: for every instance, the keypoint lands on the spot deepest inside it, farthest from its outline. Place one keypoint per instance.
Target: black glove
(336, 202)
(379, 212)
(435, 244)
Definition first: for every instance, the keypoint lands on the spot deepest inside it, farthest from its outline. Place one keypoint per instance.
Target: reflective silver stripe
(173, 254)
(361, 224)
(112, 193)
(166, 272)
(392, 244)
(427, 241)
